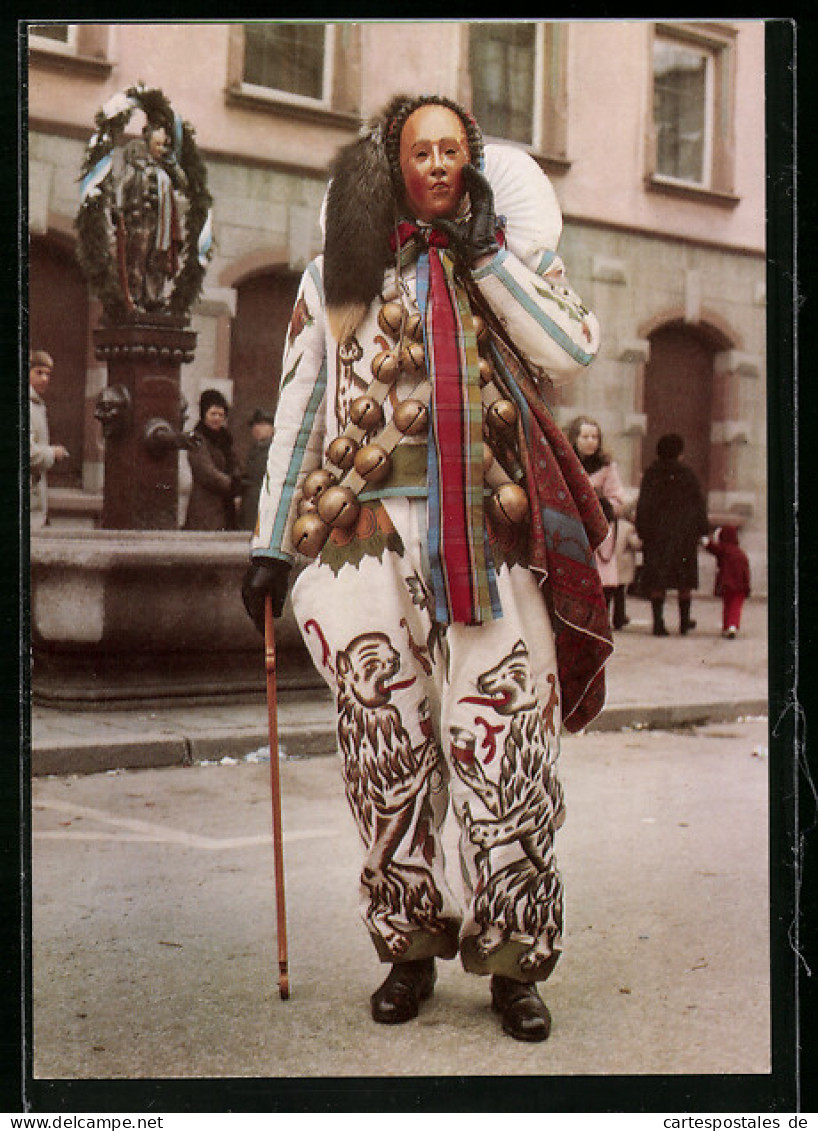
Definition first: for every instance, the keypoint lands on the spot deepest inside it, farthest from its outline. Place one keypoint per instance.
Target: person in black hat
(671, 517)
(261, 428)
(216, 482)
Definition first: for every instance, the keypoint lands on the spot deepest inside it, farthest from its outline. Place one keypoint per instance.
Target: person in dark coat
(262, 428)
(732, 577)
(216, 482)
(671, 517)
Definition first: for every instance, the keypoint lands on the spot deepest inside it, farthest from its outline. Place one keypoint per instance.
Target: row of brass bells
(310, 532)
(508, 505)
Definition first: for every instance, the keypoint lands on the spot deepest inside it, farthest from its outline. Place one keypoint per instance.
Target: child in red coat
(732, 577)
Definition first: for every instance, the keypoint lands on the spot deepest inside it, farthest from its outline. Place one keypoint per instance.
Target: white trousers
(429, 714)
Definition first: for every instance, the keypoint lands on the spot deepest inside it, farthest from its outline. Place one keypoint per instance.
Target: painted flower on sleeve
(301, 317)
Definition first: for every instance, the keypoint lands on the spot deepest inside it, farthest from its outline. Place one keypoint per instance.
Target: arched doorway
(679, 391)
(58, 323)
(263, 307)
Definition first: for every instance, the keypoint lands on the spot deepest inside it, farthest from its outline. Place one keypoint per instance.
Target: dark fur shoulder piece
(360, 215)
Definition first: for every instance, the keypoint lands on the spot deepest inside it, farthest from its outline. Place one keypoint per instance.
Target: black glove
(263, 576)
(478, 235)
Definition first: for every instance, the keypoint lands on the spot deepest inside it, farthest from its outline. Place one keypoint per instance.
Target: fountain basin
(140, 618)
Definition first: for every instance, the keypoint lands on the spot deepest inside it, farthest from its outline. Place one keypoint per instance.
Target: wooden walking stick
(275, 787)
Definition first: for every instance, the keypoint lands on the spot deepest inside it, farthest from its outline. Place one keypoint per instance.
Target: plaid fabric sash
(566, 524)
(460, 561)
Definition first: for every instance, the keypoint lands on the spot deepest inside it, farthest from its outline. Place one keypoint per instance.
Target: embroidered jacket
(535, 305)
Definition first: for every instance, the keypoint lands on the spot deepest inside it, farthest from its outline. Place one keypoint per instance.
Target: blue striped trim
(315, 275)
(274, 555)
(563, 340)
(483, 272)
(546, 261)
(297, 458)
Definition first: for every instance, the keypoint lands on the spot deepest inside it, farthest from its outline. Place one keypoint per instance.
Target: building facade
(652, 134)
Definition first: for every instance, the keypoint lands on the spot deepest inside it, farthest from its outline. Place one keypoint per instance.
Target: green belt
(407, 475)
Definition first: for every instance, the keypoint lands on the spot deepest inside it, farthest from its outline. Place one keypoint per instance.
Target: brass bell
(501, 416)
(390, 292)
(480, 329)
(316, 482)
(390, 317)
(338, 506)
(372, 463)
(414, 327)
(307, 506)
(366, 412)
(485, 369)
(309, 534)
(386, 367)
(508, 504)
(341, 452)
(411, 417)
(412, 358)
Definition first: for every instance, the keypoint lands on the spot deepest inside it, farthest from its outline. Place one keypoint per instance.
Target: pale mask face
(588, 440)
(433, 150)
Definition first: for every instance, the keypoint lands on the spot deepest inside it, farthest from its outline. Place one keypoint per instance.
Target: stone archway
(681, 391)
(58, 313)
(264, 302)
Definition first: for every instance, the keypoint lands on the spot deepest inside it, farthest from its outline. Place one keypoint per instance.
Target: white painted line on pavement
(149, 832)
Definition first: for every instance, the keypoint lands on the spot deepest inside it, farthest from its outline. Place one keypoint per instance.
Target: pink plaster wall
(610, 103)
(608, 99)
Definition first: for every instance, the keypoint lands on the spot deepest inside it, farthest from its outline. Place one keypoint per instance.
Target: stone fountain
(139, 612)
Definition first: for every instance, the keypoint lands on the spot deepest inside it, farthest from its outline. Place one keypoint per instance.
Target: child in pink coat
(732, 577)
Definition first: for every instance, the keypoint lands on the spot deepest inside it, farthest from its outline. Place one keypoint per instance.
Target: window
(71, 48)
(292, 59)
(502, 58)
(309, 70)
(56, 33)
(518, 80)
(690, 144)
(683, 111)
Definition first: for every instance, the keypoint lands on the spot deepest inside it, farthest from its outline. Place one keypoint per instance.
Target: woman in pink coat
(585, 436)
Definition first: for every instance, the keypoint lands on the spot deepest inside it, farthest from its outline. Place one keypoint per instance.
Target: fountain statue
(139, 612)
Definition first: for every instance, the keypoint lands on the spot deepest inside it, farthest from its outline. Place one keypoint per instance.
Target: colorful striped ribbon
(461, 566)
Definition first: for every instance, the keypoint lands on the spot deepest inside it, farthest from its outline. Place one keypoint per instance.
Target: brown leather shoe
(524, 1013)
(408, 984)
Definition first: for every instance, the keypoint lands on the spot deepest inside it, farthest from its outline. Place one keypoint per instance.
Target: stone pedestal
(141, 483)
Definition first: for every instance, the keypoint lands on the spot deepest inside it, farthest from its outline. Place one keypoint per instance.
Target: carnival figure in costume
(452, 602)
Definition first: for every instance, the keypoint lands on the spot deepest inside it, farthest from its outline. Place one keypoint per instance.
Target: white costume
(428, 711)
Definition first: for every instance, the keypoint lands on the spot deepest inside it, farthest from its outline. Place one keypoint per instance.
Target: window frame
(718, 43)
(549, 118)
(340, 104)
(87, 52)
(46, 43)
(279, 94)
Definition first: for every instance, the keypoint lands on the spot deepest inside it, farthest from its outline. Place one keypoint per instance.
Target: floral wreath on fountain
(100, 243)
